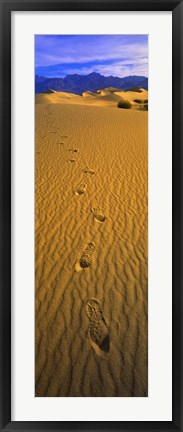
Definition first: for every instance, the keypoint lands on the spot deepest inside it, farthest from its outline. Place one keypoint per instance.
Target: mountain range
(80, 83)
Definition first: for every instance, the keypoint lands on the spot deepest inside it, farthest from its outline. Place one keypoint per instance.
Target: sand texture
(91, 246)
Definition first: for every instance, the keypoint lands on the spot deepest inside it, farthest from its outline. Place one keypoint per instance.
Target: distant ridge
(81, 83)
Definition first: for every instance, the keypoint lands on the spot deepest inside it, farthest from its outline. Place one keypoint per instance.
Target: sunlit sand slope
(91, 250)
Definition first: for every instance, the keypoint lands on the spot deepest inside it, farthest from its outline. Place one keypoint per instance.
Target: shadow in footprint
(88, 171)
(73, 150)
(86, 258)
(98, 331)
(81, 189)
(98, 214)
(71, 161)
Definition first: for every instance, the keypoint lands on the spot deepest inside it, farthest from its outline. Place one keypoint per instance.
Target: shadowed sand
(91, 325)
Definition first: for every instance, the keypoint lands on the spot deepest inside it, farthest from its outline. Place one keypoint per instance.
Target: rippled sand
(91, 248)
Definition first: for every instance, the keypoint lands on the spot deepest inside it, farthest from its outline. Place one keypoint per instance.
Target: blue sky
(117, 55)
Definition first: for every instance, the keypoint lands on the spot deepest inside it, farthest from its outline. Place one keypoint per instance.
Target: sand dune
(103, 97)
(89, 94)
(56, 98)
(131, 95)
(91, 246)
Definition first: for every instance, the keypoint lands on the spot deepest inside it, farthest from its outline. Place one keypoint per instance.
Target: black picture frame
(6, 7)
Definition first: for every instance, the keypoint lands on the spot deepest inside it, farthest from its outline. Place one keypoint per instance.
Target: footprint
(63, 136)
(61, 143)
(71, 160)
(88, 171)
(94, 310)
(99, 335)
(81, 189)
(98, 214)
(73, 150)
(98, 331)
(86, 258)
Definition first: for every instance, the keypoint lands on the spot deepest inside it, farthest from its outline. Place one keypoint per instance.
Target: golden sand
(91, 245)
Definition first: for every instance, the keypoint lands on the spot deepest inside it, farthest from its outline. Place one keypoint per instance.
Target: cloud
(116, 55)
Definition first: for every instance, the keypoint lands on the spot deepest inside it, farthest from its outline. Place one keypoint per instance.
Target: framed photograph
(91, 215)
